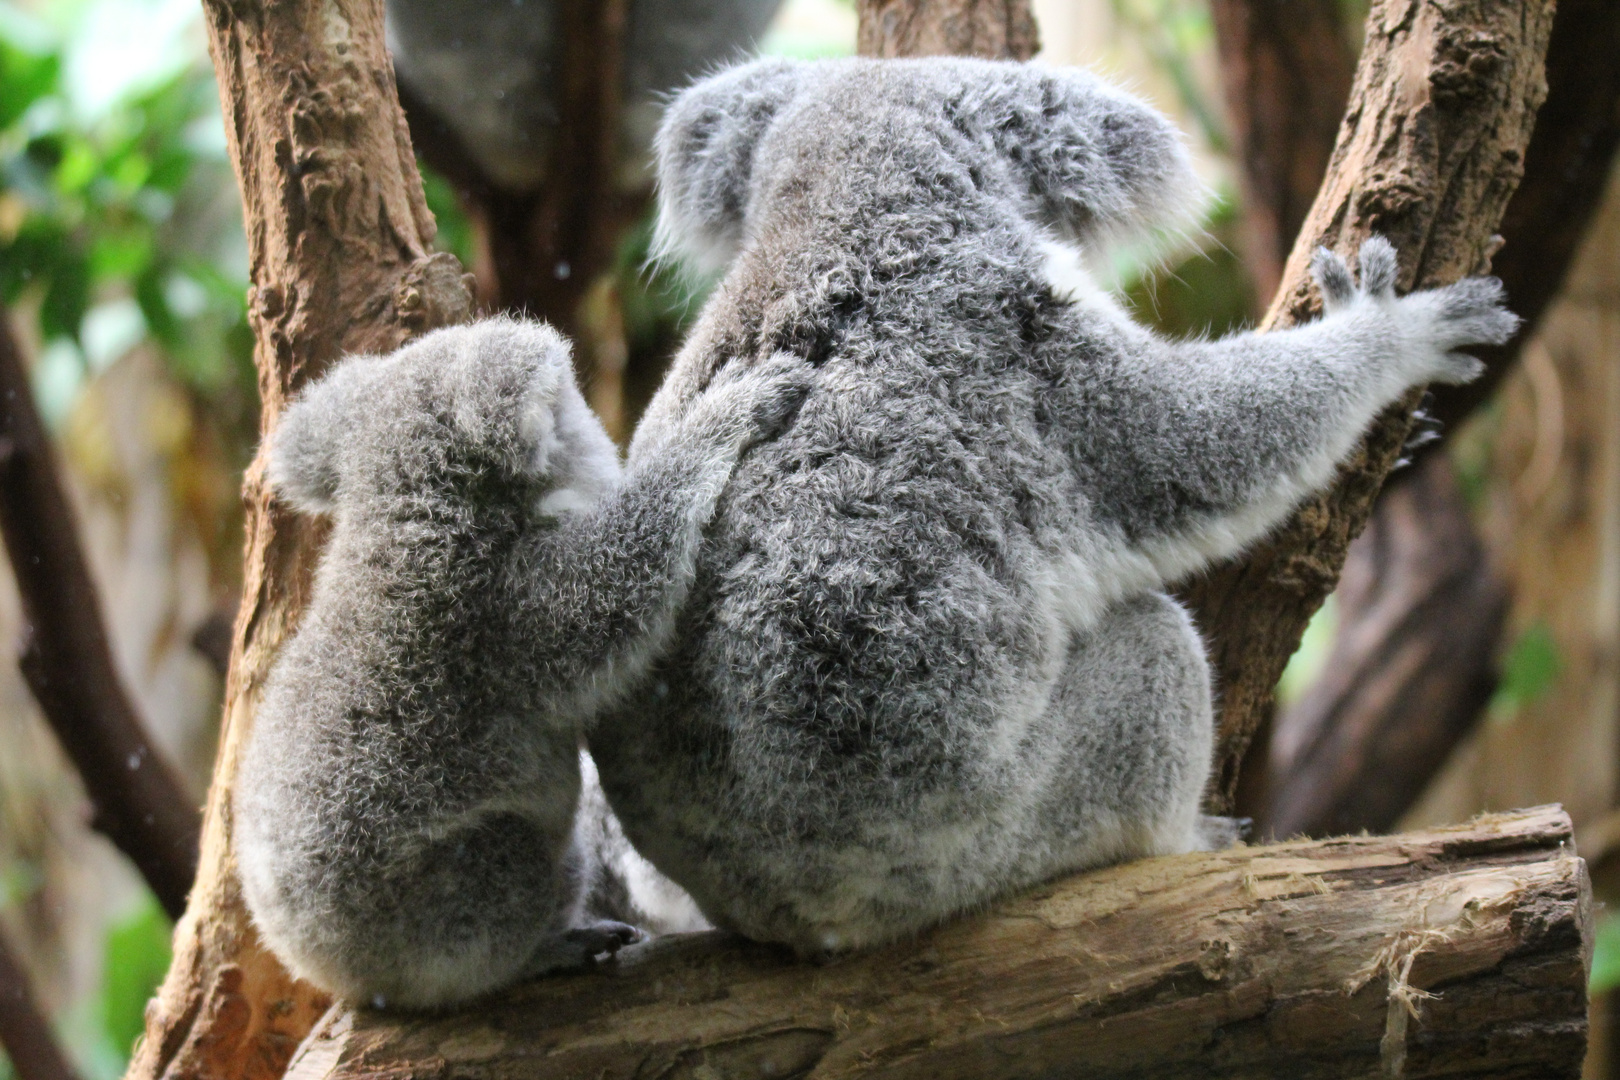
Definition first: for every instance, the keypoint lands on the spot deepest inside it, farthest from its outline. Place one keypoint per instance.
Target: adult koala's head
(777, 143)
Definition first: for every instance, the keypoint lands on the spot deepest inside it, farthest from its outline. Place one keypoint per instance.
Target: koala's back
(848, 736)
(873, 624)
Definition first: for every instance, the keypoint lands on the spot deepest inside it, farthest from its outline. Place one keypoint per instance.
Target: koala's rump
(862, 645)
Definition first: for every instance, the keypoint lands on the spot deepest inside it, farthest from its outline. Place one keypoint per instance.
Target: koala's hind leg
(1131, 726)
(488, 903)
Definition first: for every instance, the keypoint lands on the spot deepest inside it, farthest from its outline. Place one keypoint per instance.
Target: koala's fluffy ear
(303, 466)
(1097, 162)
(705, 149)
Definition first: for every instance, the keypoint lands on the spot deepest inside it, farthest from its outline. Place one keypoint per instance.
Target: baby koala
(405, 809)
(928, 659)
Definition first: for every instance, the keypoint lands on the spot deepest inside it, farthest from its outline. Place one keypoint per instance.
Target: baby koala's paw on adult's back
(752, 404)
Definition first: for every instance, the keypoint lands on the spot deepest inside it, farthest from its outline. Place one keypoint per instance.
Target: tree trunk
(1431, 149)
(338, 233)
(1577, 134)
(1285, 70)
(1457, 952)
(1412, 667)
(1565, 173)
(996, 29)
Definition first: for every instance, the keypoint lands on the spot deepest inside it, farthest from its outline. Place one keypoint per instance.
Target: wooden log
(1455, 952)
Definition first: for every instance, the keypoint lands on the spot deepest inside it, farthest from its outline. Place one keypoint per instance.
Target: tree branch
(995, 29)
(1412, 667)
(1357, 751)
(1432, 147)
(338, 236)
(1296, 960)
(139, 802)
(24, 1031)
(1566, 170)
(1286, 67)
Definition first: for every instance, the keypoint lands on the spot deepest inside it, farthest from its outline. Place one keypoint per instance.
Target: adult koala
(926, 659)
(405, 811)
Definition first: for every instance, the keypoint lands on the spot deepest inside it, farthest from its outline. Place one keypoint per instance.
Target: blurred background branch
(25, 1032)
(138, 801)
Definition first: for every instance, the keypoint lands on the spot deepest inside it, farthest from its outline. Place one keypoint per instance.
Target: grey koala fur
(405, 811)
(927, 659)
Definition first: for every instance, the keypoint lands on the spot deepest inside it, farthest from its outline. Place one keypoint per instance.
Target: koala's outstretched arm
(598, 594)
(1195, 449)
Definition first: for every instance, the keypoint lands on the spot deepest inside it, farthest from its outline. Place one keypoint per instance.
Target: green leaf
(135, 958)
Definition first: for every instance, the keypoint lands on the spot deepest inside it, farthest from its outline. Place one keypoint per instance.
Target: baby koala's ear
(1098, 162)
(705, 149)
(304, 447)
(498, 382)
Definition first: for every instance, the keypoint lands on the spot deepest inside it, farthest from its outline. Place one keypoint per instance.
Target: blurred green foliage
(1203, 294)
(134, 960)
(455, 233)
(1174, 33)
(1529, 670)
(1606, 954)
(110, 225)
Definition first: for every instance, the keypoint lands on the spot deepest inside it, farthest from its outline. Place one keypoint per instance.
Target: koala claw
(579, 947)
(602, 936)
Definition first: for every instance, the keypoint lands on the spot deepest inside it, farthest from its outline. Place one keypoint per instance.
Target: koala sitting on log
(927, 658)
(405, 811)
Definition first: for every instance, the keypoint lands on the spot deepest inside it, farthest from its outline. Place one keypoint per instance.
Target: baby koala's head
(472, 411)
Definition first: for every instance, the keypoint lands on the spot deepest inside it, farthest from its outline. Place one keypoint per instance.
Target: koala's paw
(1219, 833)
(748, 405)
(580, 946)
(1428, 326)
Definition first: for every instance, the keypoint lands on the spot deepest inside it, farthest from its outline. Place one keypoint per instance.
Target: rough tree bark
(1577, 133)
(1456, 952)
(1285, 72)
(1431, 149)
(338, 234)
(997, 29)
(138, 801)
(1565, 172)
